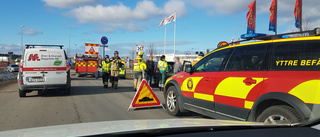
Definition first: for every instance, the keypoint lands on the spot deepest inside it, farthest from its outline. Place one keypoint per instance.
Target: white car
(42, 69)
(12, 68)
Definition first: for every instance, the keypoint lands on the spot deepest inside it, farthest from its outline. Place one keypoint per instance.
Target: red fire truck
(87, 64)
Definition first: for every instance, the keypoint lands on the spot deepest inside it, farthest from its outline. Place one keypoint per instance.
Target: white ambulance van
(43, 67)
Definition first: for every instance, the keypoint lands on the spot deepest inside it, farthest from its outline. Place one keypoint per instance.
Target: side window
(247, 58)
(211, 62)
(296, 56)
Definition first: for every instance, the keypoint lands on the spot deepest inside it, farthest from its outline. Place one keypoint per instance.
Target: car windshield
(82, 61)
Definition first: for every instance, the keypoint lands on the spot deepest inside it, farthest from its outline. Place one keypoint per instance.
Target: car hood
(123, 126)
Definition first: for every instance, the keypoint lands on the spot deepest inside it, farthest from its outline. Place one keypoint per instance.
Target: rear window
(45, 58)
(296, 56)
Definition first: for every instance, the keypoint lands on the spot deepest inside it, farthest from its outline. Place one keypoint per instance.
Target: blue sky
(200, 25)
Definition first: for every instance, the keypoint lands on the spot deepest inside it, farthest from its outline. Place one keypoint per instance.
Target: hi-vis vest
(105, 66)
(162, 66)
(115, 64)
(138, 63)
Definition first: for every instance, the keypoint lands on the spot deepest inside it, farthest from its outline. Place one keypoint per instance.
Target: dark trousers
(149, 79)
(105, 78)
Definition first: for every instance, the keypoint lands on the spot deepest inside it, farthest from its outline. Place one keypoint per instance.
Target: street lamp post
(21, 39)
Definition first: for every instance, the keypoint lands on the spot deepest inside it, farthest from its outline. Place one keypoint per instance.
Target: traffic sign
(144, 97)
(104, 40)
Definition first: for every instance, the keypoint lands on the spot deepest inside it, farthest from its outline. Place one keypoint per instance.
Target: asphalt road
(88, 102)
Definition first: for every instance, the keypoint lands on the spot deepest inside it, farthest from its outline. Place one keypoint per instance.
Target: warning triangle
(144, 97)
(91, 49)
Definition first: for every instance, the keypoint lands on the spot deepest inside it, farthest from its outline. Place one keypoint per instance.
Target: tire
(280, 114)
(172, 101)
(67, 91)
(22, 93)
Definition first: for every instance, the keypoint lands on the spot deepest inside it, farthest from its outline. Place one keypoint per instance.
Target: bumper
(43, 87)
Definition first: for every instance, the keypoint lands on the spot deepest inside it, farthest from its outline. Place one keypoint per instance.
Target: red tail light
(21, 68)
(68, 67)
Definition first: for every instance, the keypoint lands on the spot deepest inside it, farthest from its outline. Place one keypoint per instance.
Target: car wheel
(280, 114)
(172, 101)
(22, 93)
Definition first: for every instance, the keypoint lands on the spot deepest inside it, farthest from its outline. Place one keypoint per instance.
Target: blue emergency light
(253, 35)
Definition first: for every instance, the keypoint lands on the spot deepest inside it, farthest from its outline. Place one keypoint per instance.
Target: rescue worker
(105, 71)
(138, 66)
(115, 65)
(200, 55)
(163, 69)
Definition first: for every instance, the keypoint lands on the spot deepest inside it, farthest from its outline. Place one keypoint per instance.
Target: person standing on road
(138, 66)
(115, 65)
(150, 69)
(177, 66)
(163, 69)
(105, 71)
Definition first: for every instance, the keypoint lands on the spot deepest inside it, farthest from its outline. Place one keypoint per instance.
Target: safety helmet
(162, 57)
(116, 52)
(201, 54)
(140, 53)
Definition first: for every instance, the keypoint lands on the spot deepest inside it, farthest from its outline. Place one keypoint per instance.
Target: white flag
(171, 18)
(163, 22)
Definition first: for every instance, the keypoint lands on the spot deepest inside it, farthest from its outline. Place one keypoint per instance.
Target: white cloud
(15, 48)
(221, 6)
(66, 3)
(123, 17)
(31, 32)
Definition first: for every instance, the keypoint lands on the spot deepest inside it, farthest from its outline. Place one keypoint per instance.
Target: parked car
(12, 68)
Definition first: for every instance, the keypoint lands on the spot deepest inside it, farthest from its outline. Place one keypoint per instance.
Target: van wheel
(280, 114)
(172, 101)
(22, 93)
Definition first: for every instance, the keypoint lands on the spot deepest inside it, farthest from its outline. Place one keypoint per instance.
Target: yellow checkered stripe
(92, 64)
(91, 44)
(223, 89)
(81, 64)
(92, 52)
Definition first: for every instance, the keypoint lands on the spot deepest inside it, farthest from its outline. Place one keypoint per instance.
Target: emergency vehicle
(87, 64)
(43, 68)
(122, 70)
(276, 80)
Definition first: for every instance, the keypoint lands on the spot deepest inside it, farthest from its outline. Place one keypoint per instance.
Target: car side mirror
(188, 68)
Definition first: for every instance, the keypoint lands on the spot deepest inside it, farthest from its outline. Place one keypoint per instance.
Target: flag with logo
(163, 22)
(297, 13)
(171, 18)
(273, 16)
(251, 18)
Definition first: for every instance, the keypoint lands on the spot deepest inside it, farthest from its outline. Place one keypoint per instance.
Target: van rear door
(34, 68)
(57, 61)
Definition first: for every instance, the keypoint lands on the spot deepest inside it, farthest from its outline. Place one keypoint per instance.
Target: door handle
(249, 81)
(207, 80)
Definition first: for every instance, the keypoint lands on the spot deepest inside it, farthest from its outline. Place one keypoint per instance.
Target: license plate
(35, 79)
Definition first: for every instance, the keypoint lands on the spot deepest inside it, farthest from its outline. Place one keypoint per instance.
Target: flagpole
(174, 38)
(275, 29)
(165, 29)
(301, 17)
